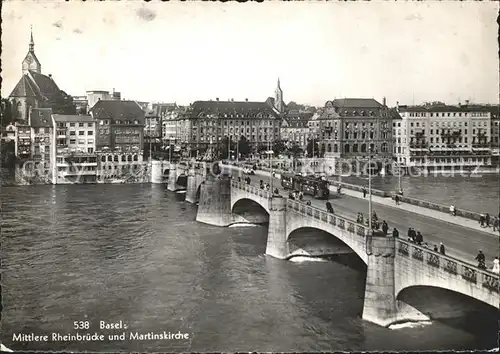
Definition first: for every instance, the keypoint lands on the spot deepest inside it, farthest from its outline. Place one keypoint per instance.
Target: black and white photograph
(274, 176)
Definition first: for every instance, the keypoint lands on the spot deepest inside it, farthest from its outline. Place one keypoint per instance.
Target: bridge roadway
(460, 242)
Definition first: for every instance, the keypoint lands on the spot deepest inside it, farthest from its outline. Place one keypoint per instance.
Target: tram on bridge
(318, 187)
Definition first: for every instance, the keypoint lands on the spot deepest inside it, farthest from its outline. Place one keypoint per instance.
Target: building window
(363, 147)
(80, 124)
(103, 158)
(346, 148)
(136, 158)
(81, 132)
(116, 158)
(71, 124)
(72, 133)
(90, 132)
(72, 141)
(110, 158)
(355, 148)
(90, 150)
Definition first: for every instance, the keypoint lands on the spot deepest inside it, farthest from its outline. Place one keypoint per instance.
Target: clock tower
(31, 62)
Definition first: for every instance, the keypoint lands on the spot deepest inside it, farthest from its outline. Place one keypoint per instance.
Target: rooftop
(356, 103)
(72, 118)
(112, 109)
(246, 108)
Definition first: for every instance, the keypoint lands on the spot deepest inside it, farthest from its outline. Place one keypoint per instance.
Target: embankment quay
(393, 263)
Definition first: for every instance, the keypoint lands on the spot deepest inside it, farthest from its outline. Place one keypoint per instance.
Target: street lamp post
(238, 151)
(229, 147)
(370, 190)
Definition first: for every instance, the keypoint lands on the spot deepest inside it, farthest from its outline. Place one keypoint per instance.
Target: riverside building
(75, 149)
(119, 140)
(443, 137)
(350, 128)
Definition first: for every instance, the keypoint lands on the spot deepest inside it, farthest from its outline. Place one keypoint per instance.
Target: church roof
(36, 85)
(24, 88)
(244, 108)
(41, 117)
(122, 110)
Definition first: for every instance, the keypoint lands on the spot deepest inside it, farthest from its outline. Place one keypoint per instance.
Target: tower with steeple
(31, 62)
(278, 99)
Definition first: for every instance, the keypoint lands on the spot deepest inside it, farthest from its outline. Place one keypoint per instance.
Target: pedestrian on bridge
(396, 199)
(453, 210)
(481, 259)
(436, 248)
(395, 233)
(410, 234)
(441, 249)
(385, 227)
(496, 266)
(419, 238)
(496, 224)
(364, 192)
(329, 207)
(481, 220)
(487, 219)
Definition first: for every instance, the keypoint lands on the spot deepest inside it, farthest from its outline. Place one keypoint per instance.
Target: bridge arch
(250, 211)
(263, 203)
(301, 224)
(182, 179)
(465, 290)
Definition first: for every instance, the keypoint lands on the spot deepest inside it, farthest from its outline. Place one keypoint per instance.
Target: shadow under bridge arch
(456, 310)
(249, 211)
(307, 240)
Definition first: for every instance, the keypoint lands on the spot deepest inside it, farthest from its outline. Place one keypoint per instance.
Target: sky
(182, 52)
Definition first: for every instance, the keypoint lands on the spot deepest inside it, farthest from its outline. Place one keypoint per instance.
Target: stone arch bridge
(392, 264)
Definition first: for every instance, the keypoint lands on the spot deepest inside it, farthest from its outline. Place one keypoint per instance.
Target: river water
(134, 253)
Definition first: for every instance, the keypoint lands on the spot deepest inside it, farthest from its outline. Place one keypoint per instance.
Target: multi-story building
(43, 151)
(350, 128)
(23, 141)
(295, 128)
(495, 135)
(75, 149)
(35, 90)
(442, 137)
(119, 138)
(212, 121)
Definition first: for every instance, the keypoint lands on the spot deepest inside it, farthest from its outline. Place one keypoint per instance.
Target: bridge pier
(276, 236)
(381, 306)
(191, 187)
(214, 207)
(172, 177)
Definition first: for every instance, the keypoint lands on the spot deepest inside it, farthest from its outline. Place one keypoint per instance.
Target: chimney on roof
(50, 75)
(246, 99)
(466, 102)
(384, 101)
(217, 99)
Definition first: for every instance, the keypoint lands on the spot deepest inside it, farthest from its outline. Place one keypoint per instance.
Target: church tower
(31, 62)
(278, 99)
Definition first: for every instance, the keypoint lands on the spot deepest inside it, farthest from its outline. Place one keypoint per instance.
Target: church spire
(279, 83)
(32, 42)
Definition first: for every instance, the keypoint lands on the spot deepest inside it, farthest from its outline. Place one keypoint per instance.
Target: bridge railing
(454, 266)
(251, 189)
(335, 220)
